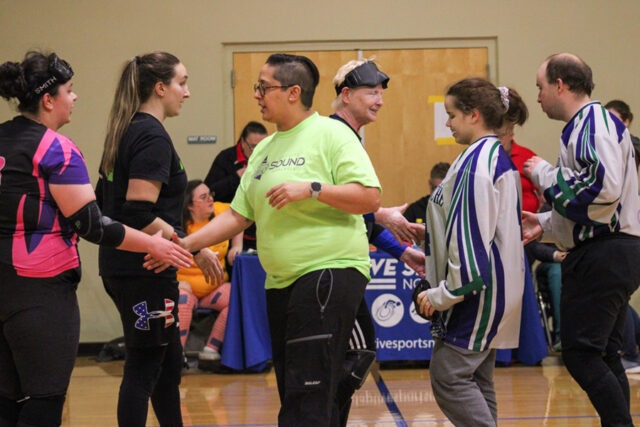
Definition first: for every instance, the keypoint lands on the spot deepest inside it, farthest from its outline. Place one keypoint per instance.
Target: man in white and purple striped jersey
(593, 191)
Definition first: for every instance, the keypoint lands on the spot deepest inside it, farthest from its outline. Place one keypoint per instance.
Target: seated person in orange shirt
(195, 292)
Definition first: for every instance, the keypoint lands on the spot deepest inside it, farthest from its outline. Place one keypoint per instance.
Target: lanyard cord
(326, 301)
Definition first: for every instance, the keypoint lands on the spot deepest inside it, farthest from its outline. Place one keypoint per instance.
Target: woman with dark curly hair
(46, 202)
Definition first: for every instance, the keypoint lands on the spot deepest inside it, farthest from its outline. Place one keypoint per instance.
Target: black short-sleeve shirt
(146, 152)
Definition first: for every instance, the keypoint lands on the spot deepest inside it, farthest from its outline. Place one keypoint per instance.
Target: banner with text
(401, 334)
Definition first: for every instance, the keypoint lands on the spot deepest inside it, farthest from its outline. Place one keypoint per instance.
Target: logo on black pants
(144, 315)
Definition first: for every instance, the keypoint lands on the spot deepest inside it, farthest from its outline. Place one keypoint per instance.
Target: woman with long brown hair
(142, 183)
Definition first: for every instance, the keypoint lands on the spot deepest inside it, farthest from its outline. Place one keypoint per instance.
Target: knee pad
(357, 365)
(42, 411)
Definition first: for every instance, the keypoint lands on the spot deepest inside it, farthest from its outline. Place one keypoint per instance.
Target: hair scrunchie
(504, 96)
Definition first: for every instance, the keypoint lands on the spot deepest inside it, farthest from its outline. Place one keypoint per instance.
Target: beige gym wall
(97, 36)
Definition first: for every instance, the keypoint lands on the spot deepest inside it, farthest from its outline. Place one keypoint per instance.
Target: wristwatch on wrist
(316, 188)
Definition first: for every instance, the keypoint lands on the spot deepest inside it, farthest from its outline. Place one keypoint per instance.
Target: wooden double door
(402, 143)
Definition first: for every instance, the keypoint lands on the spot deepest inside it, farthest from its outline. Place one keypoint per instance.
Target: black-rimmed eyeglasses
(262, 89)
(251, 147)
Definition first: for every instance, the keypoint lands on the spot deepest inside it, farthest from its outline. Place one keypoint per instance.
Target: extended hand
(233, 253)
(531, 228)
(530, 164)
(210, 265)
(403, 230)
(414, 259)
(164, 253)
(559, 256)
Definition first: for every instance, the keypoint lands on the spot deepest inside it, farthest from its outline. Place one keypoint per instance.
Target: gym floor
(543, 395)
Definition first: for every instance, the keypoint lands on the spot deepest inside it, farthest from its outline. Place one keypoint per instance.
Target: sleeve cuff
(441, 299)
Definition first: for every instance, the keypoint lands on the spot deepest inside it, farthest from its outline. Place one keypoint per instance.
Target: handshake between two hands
(175, 254)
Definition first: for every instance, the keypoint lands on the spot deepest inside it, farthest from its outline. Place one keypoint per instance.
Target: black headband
(60, 72)
(366, 74)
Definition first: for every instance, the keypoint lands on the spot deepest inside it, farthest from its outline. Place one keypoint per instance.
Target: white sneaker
(209, 354)
(630, 366)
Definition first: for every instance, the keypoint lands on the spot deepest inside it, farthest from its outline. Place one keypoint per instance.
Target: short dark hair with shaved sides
(296, 70)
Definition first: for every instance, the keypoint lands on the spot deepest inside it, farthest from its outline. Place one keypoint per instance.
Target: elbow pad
(138, 214)
(89, 223)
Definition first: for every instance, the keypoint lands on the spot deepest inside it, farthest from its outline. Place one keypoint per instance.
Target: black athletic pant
(310, 323)
(598, 278)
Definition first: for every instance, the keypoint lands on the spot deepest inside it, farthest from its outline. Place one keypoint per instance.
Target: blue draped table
(400, 333)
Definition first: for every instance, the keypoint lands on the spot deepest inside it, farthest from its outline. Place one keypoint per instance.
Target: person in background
(547, 253)
(359, 85)
(549, 277)
(593, 191)
(229, 166)
(46, 203)
(417, 210)
(142, 184)
(517, 115)
(362, 91)
(630, 358)
(621, 110)
(631, 355)
(195, 290)
(475, 258)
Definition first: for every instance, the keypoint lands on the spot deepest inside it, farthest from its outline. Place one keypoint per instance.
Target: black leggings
(36, 361)
(151, 372)
(35, 411)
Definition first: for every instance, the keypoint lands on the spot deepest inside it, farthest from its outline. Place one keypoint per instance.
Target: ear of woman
(48, 102)
(294, 93)
(159, 89)
(475, 116)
